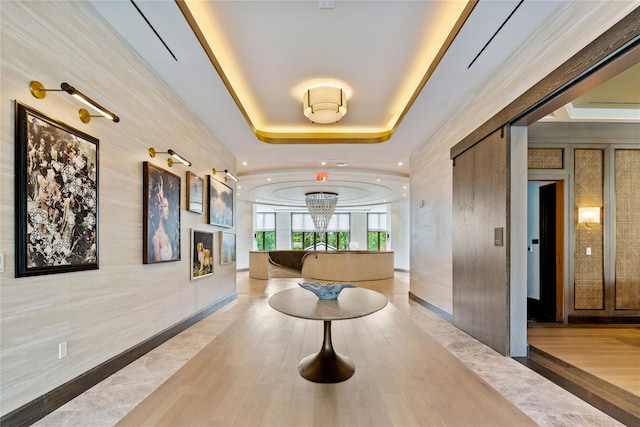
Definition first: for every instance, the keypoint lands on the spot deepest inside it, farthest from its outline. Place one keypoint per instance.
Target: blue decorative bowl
(326, 290)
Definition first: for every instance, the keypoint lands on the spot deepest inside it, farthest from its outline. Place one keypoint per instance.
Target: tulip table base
(326, 366)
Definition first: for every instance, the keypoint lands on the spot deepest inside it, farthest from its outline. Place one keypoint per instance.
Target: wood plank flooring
(248, 376)
(609, 353)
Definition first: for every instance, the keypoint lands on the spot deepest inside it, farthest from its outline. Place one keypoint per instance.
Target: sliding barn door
(480, 236)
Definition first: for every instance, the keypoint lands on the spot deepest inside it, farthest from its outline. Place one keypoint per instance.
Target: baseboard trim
(38, 408)
(613, 401)
(616, 320)
(435, 309)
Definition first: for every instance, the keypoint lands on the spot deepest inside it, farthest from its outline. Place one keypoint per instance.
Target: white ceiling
(276, 46)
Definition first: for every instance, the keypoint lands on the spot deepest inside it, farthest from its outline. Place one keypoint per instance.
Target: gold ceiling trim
(325, 137)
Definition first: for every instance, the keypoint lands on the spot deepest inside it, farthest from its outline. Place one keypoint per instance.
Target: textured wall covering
(589, 273)
(627, 185)
(573, 27)
(103, 312)
(545, 158)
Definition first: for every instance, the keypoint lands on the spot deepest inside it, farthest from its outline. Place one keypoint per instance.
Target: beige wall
(103, 312)
(573, 27)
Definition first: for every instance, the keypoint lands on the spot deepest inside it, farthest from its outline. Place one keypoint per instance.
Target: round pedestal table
(327, 366)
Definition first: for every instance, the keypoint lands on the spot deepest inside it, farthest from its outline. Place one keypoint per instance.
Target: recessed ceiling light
(244, 163)
(323, 163)
(268, 179)
(404, 187)
(378, 180)
(399, 163)
(342, 164)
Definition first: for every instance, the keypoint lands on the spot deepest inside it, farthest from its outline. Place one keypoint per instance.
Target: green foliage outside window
(377, 240)
(266, 240)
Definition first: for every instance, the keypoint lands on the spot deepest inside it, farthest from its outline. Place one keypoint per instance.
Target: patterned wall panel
(545, 158)
(627, 183)
(589, 269)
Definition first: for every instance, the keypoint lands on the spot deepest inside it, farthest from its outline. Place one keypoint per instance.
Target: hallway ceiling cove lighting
(383, 99)
(251, 61)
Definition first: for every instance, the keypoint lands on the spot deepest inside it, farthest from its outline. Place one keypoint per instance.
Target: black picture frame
(56, 196)
(220, 203)
(201, 254)
(195, 193)
(161, 215)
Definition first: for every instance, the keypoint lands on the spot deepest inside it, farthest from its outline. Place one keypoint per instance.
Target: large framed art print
(161, 215)
(220, 203)
(56, 196)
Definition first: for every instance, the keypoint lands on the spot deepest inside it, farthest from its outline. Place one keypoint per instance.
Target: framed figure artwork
(161, 215)
(220, 203)
(201, 254)
(195, 193)
(227, 248)
(56, 196)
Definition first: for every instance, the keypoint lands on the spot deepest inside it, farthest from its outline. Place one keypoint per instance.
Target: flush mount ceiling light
(324, 104)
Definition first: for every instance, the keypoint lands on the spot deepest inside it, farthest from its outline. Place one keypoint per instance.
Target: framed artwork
(161, 215)
(201, 254)
(195, 193)
(227, 247)
(56, 196)
(220, 203)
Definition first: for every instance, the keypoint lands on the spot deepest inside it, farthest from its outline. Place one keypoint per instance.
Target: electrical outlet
(62, 350)
(588, 251)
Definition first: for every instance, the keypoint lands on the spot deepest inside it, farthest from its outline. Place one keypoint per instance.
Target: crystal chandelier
(321, 206)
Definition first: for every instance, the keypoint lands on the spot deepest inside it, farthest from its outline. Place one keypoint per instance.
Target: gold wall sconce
(589, 216)
(228, 175)
(39, 91)
(170, 160)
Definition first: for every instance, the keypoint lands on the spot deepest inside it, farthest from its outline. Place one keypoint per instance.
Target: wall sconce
(229, 175)
(173, 154)
(588, 216)
(39, 91)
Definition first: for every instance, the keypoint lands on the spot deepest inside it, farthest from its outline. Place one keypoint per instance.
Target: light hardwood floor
(609, 353)
(248, 376)
(238, 366)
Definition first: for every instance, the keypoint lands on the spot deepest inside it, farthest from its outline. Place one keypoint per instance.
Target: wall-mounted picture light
(170, 160)
(39, 91)
(228, 175)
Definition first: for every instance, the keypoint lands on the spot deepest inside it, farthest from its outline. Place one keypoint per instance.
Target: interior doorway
(545, 251)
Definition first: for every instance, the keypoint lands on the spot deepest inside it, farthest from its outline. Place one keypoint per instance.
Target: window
(305, 237)
(377, 231)
(266, 231)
